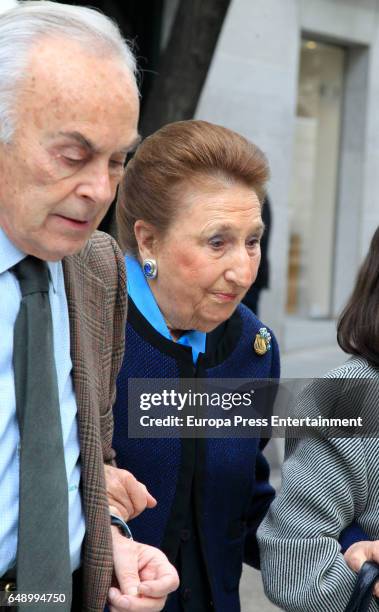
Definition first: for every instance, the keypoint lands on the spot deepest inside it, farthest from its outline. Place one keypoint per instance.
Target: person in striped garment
(328, 483)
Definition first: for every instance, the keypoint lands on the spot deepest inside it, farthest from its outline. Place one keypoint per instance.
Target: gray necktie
(43, 558)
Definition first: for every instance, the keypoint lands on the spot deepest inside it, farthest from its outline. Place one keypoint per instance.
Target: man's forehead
(61, 65)
(95, 103)
(91, 145)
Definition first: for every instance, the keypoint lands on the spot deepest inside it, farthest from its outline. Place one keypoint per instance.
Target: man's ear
(146, 236)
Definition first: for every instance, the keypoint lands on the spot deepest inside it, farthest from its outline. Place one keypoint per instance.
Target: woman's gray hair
(25, 25)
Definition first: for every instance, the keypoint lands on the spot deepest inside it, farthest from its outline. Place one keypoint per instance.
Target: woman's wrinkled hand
(127, 496)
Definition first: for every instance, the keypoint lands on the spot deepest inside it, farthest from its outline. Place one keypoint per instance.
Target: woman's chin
(215, 319)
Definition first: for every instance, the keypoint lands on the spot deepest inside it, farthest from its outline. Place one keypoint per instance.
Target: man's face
(77, 119)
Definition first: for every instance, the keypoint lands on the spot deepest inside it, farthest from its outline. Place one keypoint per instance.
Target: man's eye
(114, 163)
(72, 161)
(116, 168)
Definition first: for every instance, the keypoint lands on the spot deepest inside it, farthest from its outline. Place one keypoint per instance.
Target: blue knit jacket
(235, 489)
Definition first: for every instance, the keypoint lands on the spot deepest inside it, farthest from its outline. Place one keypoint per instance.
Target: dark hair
(177, 153)
(358, 325)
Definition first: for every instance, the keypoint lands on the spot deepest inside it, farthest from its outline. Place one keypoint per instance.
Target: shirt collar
(10, 255)
(54, 267)
(142, 296)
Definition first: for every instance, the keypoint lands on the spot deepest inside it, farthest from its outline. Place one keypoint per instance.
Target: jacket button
(185, 535)
(186, 594)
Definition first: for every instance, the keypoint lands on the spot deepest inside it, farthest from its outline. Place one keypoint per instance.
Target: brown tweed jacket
(96, 294)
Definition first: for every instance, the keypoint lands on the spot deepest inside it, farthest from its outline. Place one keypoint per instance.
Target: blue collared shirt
(142, 296)
(9, 433)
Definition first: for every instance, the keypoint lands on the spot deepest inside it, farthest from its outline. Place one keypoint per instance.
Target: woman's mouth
(225, 297)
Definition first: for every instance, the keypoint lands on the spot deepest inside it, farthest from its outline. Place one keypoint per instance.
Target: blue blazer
(234, 490)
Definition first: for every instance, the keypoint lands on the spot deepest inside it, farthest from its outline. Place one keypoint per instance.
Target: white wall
(353, 174)
(370, 187)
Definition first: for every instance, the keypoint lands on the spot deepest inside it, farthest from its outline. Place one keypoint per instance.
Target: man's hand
(358, 553)
(126, 495)
(145, 576)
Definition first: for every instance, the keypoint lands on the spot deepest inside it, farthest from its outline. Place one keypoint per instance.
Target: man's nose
(97, 185)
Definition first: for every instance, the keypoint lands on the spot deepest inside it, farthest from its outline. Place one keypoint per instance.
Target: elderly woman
(329, 483)
(189, 218)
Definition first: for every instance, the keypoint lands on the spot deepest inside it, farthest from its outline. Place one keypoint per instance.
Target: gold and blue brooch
(262, 342)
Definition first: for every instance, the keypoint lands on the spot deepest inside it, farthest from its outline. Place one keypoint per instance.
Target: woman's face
(209, 256)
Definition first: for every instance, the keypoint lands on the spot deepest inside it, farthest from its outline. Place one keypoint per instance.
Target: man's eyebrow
(90, 146)
(82, 140)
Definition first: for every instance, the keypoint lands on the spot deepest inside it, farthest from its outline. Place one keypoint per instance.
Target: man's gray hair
(25, 25)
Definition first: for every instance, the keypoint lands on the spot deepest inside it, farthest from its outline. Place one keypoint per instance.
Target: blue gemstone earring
(150, 268)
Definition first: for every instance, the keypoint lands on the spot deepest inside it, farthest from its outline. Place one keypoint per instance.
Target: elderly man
(68, 117)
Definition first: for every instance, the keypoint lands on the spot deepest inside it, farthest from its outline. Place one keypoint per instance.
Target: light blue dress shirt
(9, 433)
(142, 296)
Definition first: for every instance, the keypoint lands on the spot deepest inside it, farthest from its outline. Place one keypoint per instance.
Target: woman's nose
(243, 269)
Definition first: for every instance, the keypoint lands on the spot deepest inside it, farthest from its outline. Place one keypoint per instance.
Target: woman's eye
(216, 243)
(253, 242)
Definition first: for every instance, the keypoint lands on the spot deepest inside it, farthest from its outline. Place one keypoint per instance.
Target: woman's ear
(146, 236)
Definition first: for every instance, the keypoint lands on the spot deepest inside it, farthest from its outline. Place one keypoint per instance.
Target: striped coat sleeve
(324, 489)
